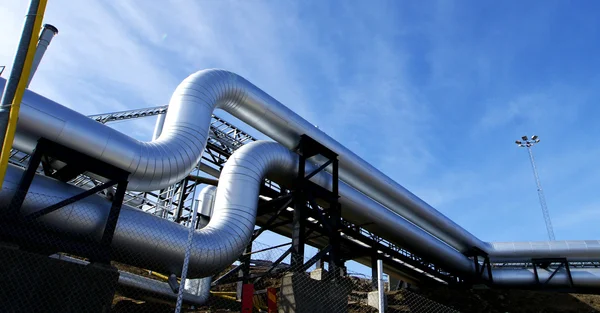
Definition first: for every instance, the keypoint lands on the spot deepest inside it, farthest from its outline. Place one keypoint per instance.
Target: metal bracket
(77, 163)
(283, 202)
(480, 269)
(32, 216)
(544, 263)
(307, 191)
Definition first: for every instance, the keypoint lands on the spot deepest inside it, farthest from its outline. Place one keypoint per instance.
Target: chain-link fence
(314, 289)
(405, 300)
(56, 257)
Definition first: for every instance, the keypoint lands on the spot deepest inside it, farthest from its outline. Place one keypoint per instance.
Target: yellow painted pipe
(230, 295)
(226, 297)
(224, 293)
(159, 275)
(16, 101)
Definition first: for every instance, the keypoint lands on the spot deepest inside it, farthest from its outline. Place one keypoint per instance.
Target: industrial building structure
(314, 184)
(82, 193)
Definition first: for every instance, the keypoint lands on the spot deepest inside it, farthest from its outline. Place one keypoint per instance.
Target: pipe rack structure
(367, 195)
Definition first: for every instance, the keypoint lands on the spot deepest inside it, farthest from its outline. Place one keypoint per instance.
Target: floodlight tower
(528, 143)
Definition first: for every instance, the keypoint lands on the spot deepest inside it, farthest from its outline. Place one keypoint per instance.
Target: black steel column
(25, 182)
(76, 163)
(374, 272)
(244, 273)
(334, 241)
(320, 263)
(180, 200)
(245, 264)
(335, 216)
(298, 223)
(111, 222)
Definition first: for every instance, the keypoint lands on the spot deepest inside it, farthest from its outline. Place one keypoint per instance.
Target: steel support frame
(374, 272)
(544, 263)
(282, 202)
(22, 230)
(278, 205)
(480, 269)
(299, 200)
(388, 253)
(329, 217)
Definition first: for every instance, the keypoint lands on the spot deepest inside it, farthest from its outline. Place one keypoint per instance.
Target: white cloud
(351, 76)
(533, 109)
(586, 216)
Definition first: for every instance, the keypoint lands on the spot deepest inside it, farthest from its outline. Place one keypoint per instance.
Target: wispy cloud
(585, 216)
(431, 93)
(558, 104)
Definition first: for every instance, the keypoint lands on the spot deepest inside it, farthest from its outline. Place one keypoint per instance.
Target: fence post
(380, 286)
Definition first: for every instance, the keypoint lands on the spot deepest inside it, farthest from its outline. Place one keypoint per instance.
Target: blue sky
(433, 93)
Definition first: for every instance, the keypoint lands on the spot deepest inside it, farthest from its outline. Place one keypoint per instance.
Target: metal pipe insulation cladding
(169, 158)
(166, 160)
(148, 241)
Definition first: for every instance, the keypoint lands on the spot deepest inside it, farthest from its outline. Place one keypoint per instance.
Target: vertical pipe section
(186, 259)
(206, 199)
(158, 127)
(15, 87)
(48, 32)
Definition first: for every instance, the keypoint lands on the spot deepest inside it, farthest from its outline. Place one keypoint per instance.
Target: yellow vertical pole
(16, 101)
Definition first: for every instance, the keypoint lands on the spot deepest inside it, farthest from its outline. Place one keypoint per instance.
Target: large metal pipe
(150, 242)
(206, 200)
(168, 159)
(206, 203)
(574, 250)
(153, 287)
(165, 161)
(147, 241)
(48, 32)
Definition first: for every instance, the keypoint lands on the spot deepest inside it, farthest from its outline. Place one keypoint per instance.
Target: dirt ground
(486, 300)
(493, 301)
(473, 300)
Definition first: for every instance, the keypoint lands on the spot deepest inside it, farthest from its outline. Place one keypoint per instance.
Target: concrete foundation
(318, 274)
(373, 300)
(397, 284)
(36, 283)
(301, 294)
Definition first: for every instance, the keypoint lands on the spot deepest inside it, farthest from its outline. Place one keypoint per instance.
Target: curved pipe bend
(138, 242)
(245, 171)
(165, 161)
(162, 162)
(151, 242)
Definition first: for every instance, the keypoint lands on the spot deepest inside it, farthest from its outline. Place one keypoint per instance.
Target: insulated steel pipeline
(235, 201)
(140, 239)
(206, 200)
(153, 287)
(165, 161)
(157, 164)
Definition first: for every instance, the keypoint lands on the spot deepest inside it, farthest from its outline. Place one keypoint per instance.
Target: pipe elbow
(231, 225)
